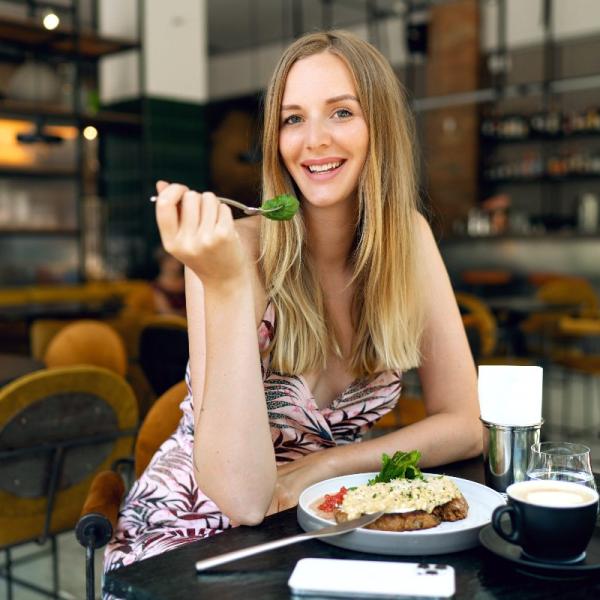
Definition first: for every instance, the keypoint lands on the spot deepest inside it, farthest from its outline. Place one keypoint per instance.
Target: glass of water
(561, 461)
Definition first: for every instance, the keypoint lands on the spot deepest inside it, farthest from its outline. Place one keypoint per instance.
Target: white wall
(176, 46)
(245, 72)
(175, 50)
(524, 27)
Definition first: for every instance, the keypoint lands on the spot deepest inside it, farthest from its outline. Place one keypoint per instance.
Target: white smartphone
(332, 577)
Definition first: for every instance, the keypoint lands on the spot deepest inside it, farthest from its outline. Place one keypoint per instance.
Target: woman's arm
(450, 432)
(234, 462)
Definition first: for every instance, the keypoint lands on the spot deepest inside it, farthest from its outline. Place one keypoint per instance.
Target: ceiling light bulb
(50, 20)
(90, 133)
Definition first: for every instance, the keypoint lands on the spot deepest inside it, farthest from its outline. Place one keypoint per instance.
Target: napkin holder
(506, 452)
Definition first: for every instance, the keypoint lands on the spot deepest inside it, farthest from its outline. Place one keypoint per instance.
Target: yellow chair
(100, 512)
(58, 429)
(480, 324)
(482, 331)
(87, 342)
(575, 293)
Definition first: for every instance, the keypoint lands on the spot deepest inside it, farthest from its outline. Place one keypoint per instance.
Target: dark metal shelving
(542, 179)
(537, 139)
(62, 115)
(28, 34)
(81, 46)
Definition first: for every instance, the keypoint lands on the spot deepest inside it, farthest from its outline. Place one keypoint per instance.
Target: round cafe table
(172, 576)
(13, 366)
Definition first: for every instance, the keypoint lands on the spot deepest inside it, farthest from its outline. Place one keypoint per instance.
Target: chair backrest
(163, 351)
(160, 422)
(58, 428)
(478, 318)
(87, 342)
(570, 290)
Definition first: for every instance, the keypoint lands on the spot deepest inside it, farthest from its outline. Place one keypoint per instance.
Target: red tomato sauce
(331, 501)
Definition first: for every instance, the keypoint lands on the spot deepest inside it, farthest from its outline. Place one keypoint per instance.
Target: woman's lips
(325, 175)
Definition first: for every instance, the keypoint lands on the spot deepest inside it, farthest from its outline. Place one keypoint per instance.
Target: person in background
(169, 286)
(300, 330)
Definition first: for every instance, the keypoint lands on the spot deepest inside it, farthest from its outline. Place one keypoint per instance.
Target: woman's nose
(318, 134)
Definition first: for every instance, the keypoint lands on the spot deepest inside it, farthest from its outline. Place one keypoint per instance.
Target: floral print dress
(165, 508)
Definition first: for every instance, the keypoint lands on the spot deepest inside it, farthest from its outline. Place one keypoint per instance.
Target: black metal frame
(57, 451)
(77, 117)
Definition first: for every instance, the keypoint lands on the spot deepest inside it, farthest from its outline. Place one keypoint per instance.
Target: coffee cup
(552, 521)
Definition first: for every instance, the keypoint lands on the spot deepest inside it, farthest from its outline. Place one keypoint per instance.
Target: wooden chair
(100, 512)
(58, 429)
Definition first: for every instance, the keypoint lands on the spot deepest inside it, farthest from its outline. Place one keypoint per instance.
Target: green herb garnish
(286, 205)
(403, 465)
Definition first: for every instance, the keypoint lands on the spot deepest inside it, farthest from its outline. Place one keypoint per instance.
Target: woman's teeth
(324, 168)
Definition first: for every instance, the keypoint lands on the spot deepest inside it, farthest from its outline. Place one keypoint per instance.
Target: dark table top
(172, 575)
(13, 366)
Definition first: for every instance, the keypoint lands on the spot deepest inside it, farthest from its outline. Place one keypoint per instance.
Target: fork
(248, 210)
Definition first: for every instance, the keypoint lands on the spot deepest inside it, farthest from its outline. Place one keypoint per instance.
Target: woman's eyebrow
(328, 101)
(340, 98)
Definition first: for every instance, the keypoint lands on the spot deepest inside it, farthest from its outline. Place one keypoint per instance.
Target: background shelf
(30, 35)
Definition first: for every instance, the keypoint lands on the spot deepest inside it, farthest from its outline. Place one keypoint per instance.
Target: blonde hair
(386, 311)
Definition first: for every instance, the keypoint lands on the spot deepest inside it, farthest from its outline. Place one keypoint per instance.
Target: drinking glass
(561, 461)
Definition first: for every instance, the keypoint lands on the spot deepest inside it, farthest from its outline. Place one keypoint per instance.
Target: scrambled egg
(400, 495)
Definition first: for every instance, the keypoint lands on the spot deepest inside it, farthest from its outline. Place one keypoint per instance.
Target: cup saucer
(514, 554)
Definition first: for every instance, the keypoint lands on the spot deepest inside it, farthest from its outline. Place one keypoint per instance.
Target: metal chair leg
(8, 571)
(90, 585)
(55, 576)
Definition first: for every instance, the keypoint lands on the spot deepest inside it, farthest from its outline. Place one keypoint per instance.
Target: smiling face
(323, 137)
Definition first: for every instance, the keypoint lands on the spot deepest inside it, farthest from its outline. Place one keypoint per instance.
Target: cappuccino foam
(555, 498)
(553, 494)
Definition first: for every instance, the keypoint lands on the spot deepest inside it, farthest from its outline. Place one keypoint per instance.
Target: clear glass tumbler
(561, 461)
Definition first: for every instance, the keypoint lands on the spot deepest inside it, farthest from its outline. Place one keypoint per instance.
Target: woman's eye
(342, 113)
(292, 119)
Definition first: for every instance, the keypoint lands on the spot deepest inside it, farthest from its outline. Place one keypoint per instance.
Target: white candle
(510, 395)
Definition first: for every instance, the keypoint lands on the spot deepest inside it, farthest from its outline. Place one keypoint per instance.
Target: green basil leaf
(287, 207)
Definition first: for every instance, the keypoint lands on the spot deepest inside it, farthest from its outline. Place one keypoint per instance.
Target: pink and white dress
(165, 508)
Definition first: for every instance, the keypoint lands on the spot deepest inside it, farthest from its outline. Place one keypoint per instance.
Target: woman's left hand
(294, 477)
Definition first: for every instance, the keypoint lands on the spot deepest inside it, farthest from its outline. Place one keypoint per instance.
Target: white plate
(446, 537)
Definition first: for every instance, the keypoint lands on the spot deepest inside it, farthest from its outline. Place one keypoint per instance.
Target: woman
(345, 296)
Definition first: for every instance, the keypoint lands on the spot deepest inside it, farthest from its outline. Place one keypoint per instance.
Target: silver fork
(248, 210)
(338, 529)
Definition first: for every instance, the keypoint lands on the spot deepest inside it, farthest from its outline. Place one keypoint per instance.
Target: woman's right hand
(199, 231)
